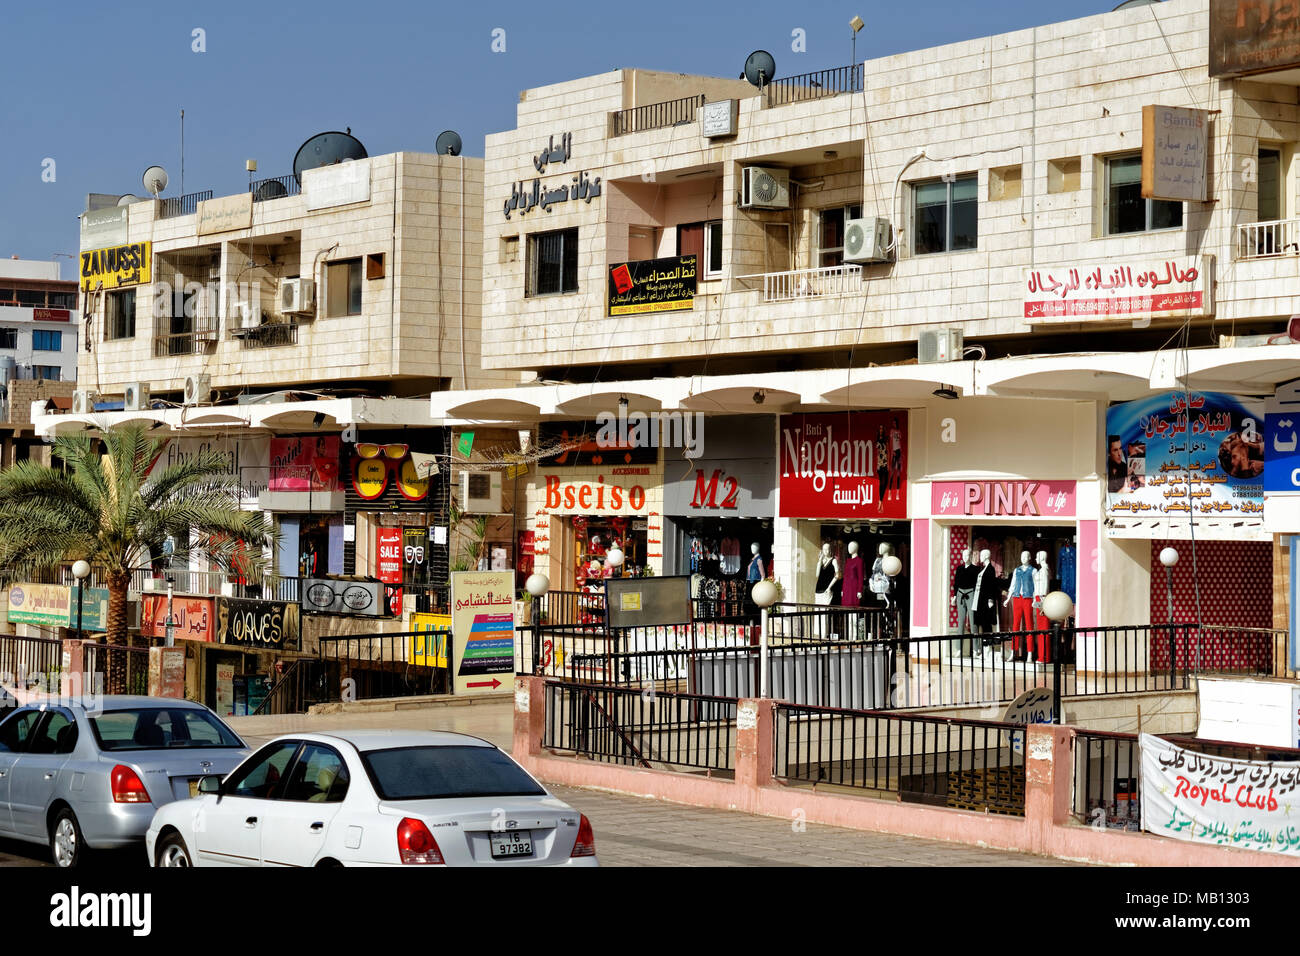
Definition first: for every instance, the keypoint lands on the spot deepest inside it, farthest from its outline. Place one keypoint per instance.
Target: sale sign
(388, 545)
(844, 465)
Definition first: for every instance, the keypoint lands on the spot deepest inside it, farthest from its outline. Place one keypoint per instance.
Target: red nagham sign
(844, 465)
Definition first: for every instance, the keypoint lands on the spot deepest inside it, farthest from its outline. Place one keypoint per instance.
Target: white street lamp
(1057, 607)
(764, 595)
(537, 585)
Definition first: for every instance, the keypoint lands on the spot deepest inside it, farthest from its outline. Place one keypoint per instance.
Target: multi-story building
(38, 347)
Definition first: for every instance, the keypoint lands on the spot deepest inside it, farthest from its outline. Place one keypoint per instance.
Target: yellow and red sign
(117, 266)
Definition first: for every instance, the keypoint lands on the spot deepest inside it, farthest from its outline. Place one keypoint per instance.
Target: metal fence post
(1057, 649)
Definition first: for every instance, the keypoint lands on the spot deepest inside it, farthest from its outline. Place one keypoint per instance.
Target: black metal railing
(1222, 648)
(965, 764)
(304, 682)
(364, 666)
(28, 660)
(815, 85)
(184, 343)
(183, 205)
(620, 725)
(132, 661)
(636, 119)
(1107, 768)
(1237, 751)
(268, 336)
(274, 187)
(832, 622)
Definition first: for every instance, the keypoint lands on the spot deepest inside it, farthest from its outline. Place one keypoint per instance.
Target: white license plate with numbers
(512, 843)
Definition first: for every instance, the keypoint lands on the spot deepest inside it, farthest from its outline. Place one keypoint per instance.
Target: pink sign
(305, 463)
(1012, 499)
(1108, 290)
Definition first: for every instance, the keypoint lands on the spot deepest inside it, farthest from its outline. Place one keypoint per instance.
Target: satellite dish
(326, 149)
(449, 143)
(760, 68)
(155, 180)
(1127, 4)
(128, 199)
(271, 189)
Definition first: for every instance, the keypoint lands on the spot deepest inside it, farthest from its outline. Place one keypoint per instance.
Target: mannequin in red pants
(1041, 642)
(1021, 597)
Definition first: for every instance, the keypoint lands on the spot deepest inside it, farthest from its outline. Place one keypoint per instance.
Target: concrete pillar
(72, 669)
(167, 672)
(530, 716)
(1049, 780)
(754, 747)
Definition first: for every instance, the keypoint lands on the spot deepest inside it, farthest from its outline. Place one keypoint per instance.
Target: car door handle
(251, 822)
(49, 776)
(3, 772)
(318, 826)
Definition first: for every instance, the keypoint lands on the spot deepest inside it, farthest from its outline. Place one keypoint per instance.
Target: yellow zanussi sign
(117, 266)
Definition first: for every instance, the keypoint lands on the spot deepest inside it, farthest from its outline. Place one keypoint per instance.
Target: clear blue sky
(98, 87)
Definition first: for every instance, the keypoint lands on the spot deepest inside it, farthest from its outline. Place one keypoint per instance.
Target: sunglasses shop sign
(363, 598)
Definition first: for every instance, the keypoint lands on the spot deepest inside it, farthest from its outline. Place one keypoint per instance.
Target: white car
(372, 798)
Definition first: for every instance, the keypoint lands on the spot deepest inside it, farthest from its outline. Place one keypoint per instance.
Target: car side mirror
(210, 784)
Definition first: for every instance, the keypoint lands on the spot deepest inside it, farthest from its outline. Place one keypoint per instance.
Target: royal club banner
(652, 285)
(1248, 804)
(844, 465)
(483, 629)
(1182, 452)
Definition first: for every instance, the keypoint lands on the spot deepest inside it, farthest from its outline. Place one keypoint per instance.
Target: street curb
(390, 704)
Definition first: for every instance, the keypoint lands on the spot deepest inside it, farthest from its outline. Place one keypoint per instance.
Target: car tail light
(585, 845)
(415, 844)
(127, 786)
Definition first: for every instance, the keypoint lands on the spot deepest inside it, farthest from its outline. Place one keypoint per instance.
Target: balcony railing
(268, 336)
(656, 115)
(274, 187)
(184, 343)
(183, 205)
(827, 282)
(813, 86)
(1267, 240)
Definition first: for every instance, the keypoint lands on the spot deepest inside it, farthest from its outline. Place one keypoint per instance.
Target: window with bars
(553, 262)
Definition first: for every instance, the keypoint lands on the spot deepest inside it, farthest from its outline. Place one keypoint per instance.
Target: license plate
(512, 843)
(194, 787)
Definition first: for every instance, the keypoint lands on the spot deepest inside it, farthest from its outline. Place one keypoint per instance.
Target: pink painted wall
(921, 572)
(1087, 579)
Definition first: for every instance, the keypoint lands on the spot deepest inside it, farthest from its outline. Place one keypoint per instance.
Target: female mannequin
(1022, 593)
(880, 583)
(1042, 645)
(755, 572)
(854, 575)
(988, 587)
(828, 573)
(963, 591)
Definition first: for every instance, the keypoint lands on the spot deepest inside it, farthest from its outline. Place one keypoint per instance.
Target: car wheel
(172, 851)
(66, 844)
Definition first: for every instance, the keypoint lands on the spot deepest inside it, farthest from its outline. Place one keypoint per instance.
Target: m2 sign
(844, 465)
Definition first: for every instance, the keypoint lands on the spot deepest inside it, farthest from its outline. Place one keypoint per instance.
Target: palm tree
(102, 505)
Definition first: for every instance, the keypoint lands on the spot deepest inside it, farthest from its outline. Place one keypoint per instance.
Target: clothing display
(827, 572)
(855, 570)
(755, 572)
(730, 560)
(988, 590)
(1065, 564)
(964, 589)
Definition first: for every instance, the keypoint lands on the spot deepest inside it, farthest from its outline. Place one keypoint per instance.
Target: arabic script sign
(1175, 143)
(1203, 799)
(652, 285)
(1176, 452)
(1249, 36)
(483, 630)
(844, 465)
(1105, 291)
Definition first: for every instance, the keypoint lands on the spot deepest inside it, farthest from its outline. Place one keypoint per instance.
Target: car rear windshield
(161, 728)
(424, 773)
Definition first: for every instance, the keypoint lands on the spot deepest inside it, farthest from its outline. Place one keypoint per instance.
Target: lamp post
(764, 595)
(892, 565)
(614, 558)
(80, 571)
(171, 624)
(1169, 557)
(537, 585)
(1058, 607)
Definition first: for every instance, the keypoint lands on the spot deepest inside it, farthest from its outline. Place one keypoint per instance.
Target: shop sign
(622, 439)
(225, 690)
(541, 534)
(1003, 499)
(1175, 143)
(244, 460)
(594, 496)
(364, 598)
(1282, 441)
(51, 315)
(305, 463)
(429, 642)
(415, 549)
(192, 617)
(44, 604)
(117, 266)
(483, 629)
(370, 473)
(652, 285)
(844, 465)
(388, 545)
(1200, 798)
(728, 488)
(1251, 36)
(258, 624)
(224, 214)
(104, 227)
(1179, 453)
(654, 536)
(94, 609)
(1103, 291)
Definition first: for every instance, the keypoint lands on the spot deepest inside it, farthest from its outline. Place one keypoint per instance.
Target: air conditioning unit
(83, 402)
(764, 188)
(480, 492)
(938, 345)
(198, 389)
(297, 295)
(136, 397)
(866, 240)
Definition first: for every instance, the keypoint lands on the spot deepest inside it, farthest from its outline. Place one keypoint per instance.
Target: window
(45, 340)
(553, 262)
(259, 776)
(119, 315)
(51, 373)
(830, 233)
(1126, 210)
(57, 736)
(63, 300)
(17, 730)
(319, 776)
(426, 773)
(8, 338)
(1271, 207)
(36, 299)
(154, 728)
(946, 216)
(703, 240)
(343, 288)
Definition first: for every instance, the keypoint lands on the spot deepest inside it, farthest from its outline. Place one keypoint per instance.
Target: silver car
(79, 777)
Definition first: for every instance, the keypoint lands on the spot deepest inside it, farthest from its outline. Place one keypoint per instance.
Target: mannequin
(1041, 647)
(755, 572)
(855, 572)
(1021, 593)
(988, 586)
(880, 583)
(828, 573)
(963, 591)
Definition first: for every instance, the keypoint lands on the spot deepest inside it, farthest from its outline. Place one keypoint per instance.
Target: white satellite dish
(155, 180)
(128, 199)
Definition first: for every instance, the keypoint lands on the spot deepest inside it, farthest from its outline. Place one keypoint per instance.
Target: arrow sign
(493, 683)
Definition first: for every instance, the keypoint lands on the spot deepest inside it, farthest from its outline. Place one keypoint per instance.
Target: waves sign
(258, 624)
